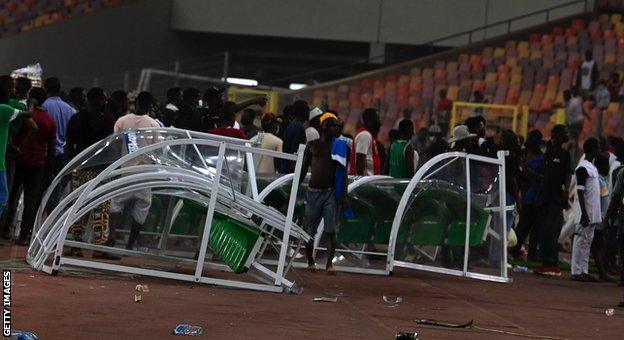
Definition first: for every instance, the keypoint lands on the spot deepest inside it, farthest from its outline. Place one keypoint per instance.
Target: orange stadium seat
(532, 72)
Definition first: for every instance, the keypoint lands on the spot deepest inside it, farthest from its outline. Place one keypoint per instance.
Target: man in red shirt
(443, 112)
(34, 162)
(225, 125)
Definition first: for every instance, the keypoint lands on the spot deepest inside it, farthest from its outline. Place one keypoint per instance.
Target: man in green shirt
(7, 115)
(402, 152)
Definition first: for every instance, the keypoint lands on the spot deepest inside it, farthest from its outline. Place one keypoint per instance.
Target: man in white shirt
(587, 74)
(139, 201)
(588, 186)
(365, 160)
(268, 141)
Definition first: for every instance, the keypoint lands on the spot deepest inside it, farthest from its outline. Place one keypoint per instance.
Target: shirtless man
(321, 200)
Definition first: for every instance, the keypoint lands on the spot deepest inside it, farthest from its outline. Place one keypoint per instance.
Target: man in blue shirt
(295, 134)
(61, 112)
(531, 175)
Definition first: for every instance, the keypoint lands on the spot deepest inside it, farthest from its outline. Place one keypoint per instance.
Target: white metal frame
(49, 235)
(422, 174)
(500, 162)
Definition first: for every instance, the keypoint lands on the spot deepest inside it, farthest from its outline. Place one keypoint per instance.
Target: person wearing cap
(321, 198)
(313, 125)
(365, 158)
(461, 139)
(267, 140)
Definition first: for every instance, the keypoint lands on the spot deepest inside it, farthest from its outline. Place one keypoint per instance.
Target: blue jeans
(4, 190)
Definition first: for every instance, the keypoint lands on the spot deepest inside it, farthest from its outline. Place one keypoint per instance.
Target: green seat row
(436, 217)
(234, 242)
(456, 205)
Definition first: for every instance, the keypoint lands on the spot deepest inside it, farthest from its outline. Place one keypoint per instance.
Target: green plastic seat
(234, 242)
(385, 203)
(382, 232)
(427, 220)
(383, 206)
(357, 229)
(478, 222)
(456, 204)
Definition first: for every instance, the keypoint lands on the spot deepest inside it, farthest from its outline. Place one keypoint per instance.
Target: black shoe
(580, 278)
(621, 304)
(590, 278)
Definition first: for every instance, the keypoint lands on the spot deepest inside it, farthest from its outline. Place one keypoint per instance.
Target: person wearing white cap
(460, 141)
(313, 123)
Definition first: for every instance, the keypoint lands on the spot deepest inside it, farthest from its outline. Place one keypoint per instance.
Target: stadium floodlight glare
(297, 86)
(242, 81)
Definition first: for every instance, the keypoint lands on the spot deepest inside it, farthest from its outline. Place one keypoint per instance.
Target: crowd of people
(42, 128)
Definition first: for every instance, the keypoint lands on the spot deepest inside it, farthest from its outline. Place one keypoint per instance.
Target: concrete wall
(112, 40)
(386, 21)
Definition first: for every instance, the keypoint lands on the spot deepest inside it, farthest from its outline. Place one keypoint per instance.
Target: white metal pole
(211, 207)
(502, 189)
(251, 173)
(468, 208)
(289, 215)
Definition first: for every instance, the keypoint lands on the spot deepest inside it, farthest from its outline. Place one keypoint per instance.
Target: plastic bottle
(21, 335)
(406, 336)
(184, 329)
(520, 269)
